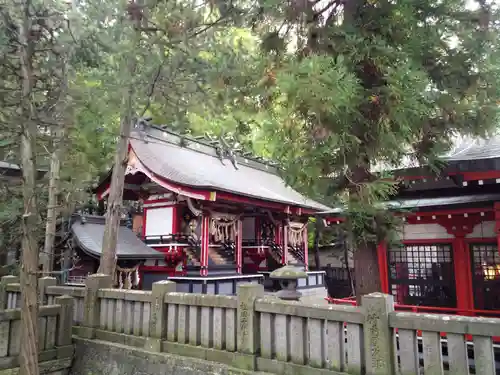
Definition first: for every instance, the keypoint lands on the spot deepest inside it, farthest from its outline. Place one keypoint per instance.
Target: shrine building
(448, 259)
(210, 219)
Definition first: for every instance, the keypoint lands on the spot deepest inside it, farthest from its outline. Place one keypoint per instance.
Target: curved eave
(97, 254)
(207, 192)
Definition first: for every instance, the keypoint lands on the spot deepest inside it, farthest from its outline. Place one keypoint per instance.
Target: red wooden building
(218, 217)
(449, 255)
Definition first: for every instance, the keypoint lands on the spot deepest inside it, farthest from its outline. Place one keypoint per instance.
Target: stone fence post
(158, 314)
(378, 336)
(43, 284)
(248, 327)
(92, 307)
(65, 321)
(4, 281)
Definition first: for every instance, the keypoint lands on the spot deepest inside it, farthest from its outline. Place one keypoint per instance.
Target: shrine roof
(195, 163)
(13, 169)
(475, 149)
(465, 153)
(406, 204)
(88, 232)
(441, 201)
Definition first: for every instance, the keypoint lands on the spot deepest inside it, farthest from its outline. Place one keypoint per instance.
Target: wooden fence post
(158, 314)
(378, 336)
(248, 327)
(65, 321)
(43, 283)
(4, 281)
(92, 307)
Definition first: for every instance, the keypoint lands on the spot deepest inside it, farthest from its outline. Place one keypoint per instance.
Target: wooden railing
(351, 301)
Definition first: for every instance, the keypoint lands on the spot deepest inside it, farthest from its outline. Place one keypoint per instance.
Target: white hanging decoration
(223, 226)
(137, 277)
(120, 280)
(128, 284)
(128, 277)
(296, 233)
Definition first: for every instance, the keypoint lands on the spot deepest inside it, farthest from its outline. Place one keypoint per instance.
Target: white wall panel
(424, 232)
(159, 221)
(485, 229)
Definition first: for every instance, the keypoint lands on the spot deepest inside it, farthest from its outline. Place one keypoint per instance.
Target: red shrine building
(448, 259)
(211, 218)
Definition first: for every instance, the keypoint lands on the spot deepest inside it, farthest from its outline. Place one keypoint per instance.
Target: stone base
(54, 367)
(106, 358)
(218, 285)
(319, 292)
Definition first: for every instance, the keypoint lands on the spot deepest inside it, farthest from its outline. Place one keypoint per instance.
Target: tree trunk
(53, 202)
(29, 264)
(115, 200)
(366, 270)
(113, 214)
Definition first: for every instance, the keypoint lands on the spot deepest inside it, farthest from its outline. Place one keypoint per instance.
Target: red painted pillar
(306, 248)
(175, 219)
(284, 259)
(462, 270)
(497, 223)
(205, 220)
(239, 248)
(278, 234)
(383, 266)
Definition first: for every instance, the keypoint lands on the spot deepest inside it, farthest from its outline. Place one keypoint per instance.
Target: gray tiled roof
(441, 201)
(475, 149)
(463, 149)
(196, 165)
(89, 237)
(406, 204)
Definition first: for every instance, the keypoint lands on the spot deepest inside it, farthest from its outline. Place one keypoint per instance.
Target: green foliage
(368, 83)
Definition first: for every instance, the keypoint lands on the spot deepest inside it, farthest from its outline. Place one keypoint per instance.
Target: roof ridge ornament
(223, 149)
(141, 124)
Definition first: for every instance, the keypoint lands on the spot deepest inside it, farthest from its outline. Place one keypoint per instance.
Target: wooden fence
(257, 332)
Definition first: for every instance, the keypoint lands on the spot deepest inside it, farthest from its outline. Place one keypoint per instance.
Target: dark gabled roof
(14, 170)
(467, 153)
(440, 201)
(88, 231)
(475, 149)
(418, 203)
(193, 163)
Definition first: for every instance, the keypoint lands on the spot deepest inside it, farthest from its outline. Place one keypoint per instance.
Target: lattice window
(485, 261)
(422, 275)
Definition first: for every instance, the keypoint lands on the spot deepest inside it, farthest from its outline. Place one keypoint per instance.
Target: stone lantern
(288, 276)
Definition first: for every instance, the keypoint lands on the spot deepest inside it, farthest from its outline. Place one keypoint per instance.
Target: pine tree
(352, 84)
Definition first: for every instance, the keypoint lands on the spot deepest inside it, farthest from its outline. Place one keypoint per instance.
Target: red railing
(427, 309)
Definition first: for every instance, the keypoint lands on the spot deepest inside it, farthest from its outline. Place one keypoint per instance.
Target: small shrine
(210, 217)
